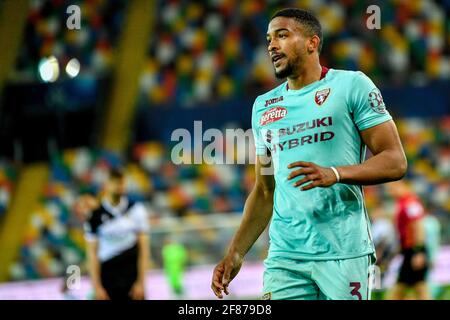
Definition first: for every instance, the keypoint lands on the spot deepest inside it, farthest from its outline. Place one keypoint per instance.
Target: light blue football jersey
(319, 123)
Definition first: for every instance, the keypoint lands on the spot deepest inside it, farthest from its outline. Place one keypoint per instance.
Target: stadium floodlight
(73, 67)
(49, 69)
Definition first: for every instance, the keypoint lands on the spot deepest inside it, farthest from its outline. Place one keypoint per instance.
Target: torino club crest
(321, 96)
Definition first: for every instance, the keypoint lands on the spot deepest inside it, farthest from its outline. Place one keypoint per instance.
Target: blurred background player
(117, 243)
(409, 217)
(175, 258)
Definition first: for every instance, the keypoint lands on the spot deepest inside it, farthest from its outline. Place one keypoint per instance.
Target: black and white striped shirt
(116, 227)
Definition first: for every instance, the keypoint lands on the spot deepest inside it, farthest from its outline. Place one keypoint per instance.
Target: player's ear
(313, 44)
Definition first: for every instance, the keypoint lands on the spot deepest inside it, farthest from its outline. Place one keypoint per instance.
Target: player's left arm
(144, 255)
(388, 162)
(138, 289)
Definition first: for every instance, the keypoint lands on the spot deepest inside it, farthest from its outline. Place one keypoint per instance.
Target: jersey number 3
(355, 292)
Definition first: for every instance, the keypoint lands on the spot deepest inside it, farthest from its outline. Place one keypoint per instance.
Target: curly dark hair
(306, 19)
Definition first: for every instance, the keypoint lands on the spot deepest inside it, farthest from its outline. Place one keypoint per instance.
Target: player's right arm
(94, 270)
(257, 214)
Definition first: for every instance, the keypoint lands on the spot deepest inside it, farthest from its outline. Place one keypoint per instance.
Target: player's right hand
(101, 294)
(225, 272)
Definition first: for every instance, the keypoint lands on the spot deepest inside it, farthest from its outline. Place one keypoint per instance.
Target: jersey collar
(322, 75)
(118, 209)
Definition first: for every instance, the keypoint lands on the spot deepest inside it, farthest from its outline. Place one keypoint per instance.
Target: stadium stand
(46, 34)
(8, 176)
(210, 49)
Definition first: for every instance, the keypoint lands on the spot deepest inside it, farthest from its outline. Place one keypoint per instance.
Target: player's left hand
(317, 176)
(137, 291)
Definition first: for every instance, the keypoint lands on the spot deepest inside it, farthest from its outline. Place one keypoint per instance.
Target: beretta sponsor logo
(272, 115)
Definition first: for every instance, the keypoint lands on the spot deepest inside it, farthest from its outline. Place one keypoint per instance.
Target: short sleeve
(260, 147)
(366, 103)
(141, 218)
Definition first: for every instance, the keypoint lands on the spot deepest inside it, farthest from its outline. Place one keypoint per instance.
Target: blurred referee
(116, 233)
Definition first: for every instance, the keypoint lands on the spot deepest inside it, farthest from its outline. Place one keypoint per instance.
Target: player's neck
(113, 199)
(309, 74)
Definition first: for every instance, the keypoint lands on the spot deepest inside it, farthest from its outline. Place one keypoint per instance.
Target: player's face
(90, 202)
(116, 186)
(287, 46)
